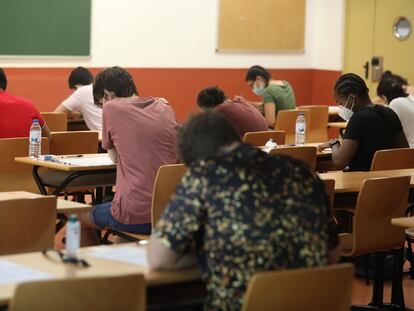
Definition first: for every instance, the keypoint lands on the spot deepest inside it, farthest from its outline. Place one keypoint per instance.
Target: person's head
(210, 97)
(111, 83)
(389, 89)
(389, 75)
(351, 94)
(205, 136)
(3, 80)
(257, 78)
(78, 77)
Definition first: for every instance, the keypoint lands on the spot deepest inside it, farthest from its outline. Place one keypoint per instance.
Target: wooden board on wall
(262, 25)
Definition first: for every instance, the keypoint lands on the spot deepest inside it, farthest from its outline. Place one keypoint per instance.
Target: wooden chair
(27, 225)
(108, 293)
(318, 127)
(393, 159)
(13, 175)
(76, 142)
(313, 289)
(379, 200)
(306, 154)
(165, 184)
(56, 121)
(261, 138)
(286, 121)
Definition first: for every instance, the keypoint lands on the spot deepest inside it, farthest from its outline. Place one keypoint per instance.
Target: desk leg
(38, 180)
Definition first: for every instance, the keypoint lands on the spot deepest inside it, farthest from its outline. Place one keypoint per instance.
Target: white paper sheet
(86, 161)
(11, 273)
(128, 254)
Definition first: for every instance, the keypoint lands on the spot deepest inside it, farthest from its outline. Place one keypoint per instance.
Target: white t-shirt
(404, 108)
(82, 101)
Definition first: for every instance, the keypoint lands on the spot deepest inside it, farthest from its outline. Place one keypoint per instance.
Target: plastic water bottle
(72, 236)
(300, 129)
(35, 139)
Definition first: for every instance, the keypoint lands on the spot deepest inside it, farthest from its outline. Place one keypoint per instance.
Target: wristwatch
(334, 142)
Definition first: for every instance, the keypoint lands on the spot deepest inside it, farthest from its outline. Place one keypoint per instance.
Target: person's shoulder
(85, 89)
(400, 101)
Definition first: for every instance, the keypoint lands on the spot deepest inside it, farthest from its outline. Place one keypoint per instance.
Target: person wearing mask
(80, 102)
(409, 89)
(240, 211)
(276, 95)
(241, 115)
(370, 127)
(17, 114)
(394, 94)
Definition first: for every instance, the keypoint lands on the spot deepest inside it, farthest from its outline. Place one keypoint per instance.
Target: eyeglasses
(58, 256)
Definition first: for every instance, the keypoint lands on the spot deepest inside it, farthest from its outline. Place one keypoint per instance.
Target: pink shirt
(243, 116)
(144, 133)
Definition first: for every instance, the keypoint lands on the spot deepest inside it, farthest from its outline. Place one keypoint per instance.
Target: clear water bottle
(72, 236)
(35, 139)
(300, 129)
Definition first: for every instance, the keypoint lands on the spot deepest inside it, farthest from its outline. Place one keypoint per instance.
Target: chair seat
(410, 233)
(346, 242)
(55, 178)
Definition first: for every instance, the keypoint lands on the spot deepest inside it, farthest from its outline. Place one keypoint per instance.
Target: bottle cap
(35, 121)
(301, 113)
(73, 218)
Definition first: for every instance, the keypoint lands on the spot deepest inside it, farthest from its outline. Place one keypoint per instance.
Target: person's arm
(400, 141)
(45, 131)
(343, 153)
(113, 154)
(70, 114)
(270, 114)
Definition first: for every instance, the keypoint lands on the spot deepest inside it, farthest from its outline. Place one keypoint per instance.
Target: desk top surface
(98, 267)
(71, 163)
(406, 222)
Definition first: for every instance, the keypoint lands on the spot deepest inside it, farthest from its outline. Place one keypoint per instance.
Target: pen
(72, 156)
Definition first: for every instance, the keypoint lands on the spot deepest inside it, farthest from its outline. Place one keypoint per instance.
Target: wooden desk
(63, 206)
(99, 267)
(340, 125)
(406, 222)
(77, 125)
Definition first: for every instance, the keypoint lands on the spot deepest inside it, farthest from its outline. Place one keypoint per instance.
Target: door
(371, 44)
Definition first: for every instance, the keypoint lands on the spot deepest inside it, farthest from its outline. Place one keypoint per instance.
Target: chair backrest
(76, 142)
(125, 293)
(286, 121)
(393, 159)
(56, 121)
(330, 191)
(379, 200)
(166, 181)
(301, 289)
(17, 176)
(306, 154)
(261, 138)
(27, 225)
(318, 127)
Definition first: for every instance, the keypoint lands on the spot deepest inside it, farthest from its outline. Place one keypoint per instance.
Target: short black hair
(210, 97)
(3, 80)
(80, 76)
(113, 79)
(391, 88)
(257, 70)
(203, 136)
(388, 74)
(351, 83)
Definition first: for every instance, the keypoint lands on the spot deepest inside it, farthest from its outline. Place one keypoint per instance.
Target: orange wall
(47, 87)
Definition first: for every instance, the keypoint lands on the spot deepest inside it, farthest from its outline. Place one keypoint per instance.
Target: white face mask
(258, 90)
(344, 112)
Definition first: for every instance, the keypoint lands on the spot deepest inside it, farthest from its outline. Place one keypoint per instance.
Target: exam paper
(11, 273)
(87, 161)
(128, 254)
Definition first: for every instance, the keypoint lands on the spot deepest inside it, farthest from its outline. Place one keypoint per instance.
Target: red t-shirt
(144, 134)
(243, 116)
(16, 116)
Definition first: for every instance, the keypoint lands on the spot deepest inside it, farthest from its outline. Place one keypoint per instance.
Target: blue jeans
(102, 217)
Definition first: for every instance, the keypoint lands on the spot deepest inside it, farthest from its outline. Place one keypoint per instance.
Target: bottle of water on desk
(72, 236)
(300, 129)
(35, 139)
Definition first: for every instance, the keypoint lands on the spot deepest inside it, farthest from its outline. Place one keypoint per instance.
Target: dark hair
(390, 88)
(80, 75)
(3, 79)
(351, 83)
(114, 79)
(257, 70)
(203, 136)
(388, 74)
(210, 97)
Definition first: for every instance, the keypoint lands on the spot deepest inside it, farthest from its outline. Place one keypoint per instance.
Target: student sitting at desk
(240, 211)
(17, 114)
(370, 127)
(140, 134)
(80, 103)
(243, 116)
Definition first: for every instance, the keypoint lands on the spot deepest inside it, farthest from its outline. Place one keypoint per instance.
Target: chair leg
(397, 294)
(410, 257)
(378, 286)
